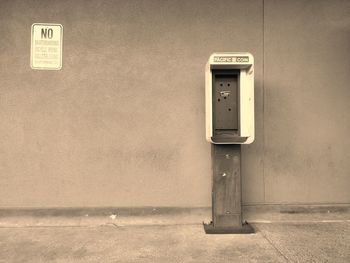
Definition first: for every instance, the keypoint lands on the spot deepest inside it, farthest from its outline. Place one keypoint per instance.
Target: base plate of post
(244, 229)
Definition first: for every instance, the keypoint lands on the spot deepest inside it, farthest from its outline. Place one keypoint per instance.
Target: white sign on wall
(46, 46)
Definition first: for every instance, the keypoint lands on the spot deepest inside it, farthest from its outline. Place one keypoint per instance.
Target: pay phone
(229, 95)
(230, 98)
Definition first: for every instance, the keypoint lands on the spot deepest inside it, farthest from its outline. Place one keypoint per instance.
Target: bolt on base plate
(244, 229)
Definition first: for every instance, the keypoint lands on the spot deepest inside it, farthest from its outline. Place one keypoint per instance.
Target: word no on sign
(46, 47)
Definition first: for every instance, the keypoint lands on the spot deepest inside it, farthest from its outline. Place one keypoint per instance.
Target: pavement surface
(316, 237)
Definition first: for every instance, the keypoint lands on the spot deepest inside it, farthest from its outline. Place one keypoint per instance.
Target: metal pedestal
(227, 191)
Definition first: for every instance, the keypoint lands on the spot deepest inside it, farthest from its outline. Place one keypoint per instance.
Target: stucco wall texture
(122, 123)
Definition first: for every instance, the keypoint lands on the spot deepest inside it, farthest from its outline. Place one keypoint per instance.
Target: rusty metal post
(227, 191)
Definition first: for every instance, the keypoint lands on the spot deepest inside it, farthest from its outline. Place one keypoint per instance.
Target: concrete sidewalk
(291, 237)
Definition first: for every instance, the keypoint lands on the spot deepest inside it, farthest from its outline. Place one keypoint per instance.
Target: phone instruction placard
(46, 46)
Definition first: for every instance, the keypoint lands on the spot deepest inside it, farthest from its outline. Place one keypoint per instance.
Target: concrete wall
(307, 101)
(122, 124)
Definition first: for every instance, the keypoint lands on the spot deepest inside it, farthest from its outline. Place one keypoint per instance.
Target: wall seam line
(263, 90)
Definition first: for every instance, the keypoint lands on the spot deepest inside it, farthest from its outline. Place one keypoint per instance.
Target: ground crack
(273, 245)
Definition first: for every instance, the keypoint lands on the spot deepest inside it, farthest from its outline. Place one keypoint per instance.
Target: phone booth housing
(229, 94)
